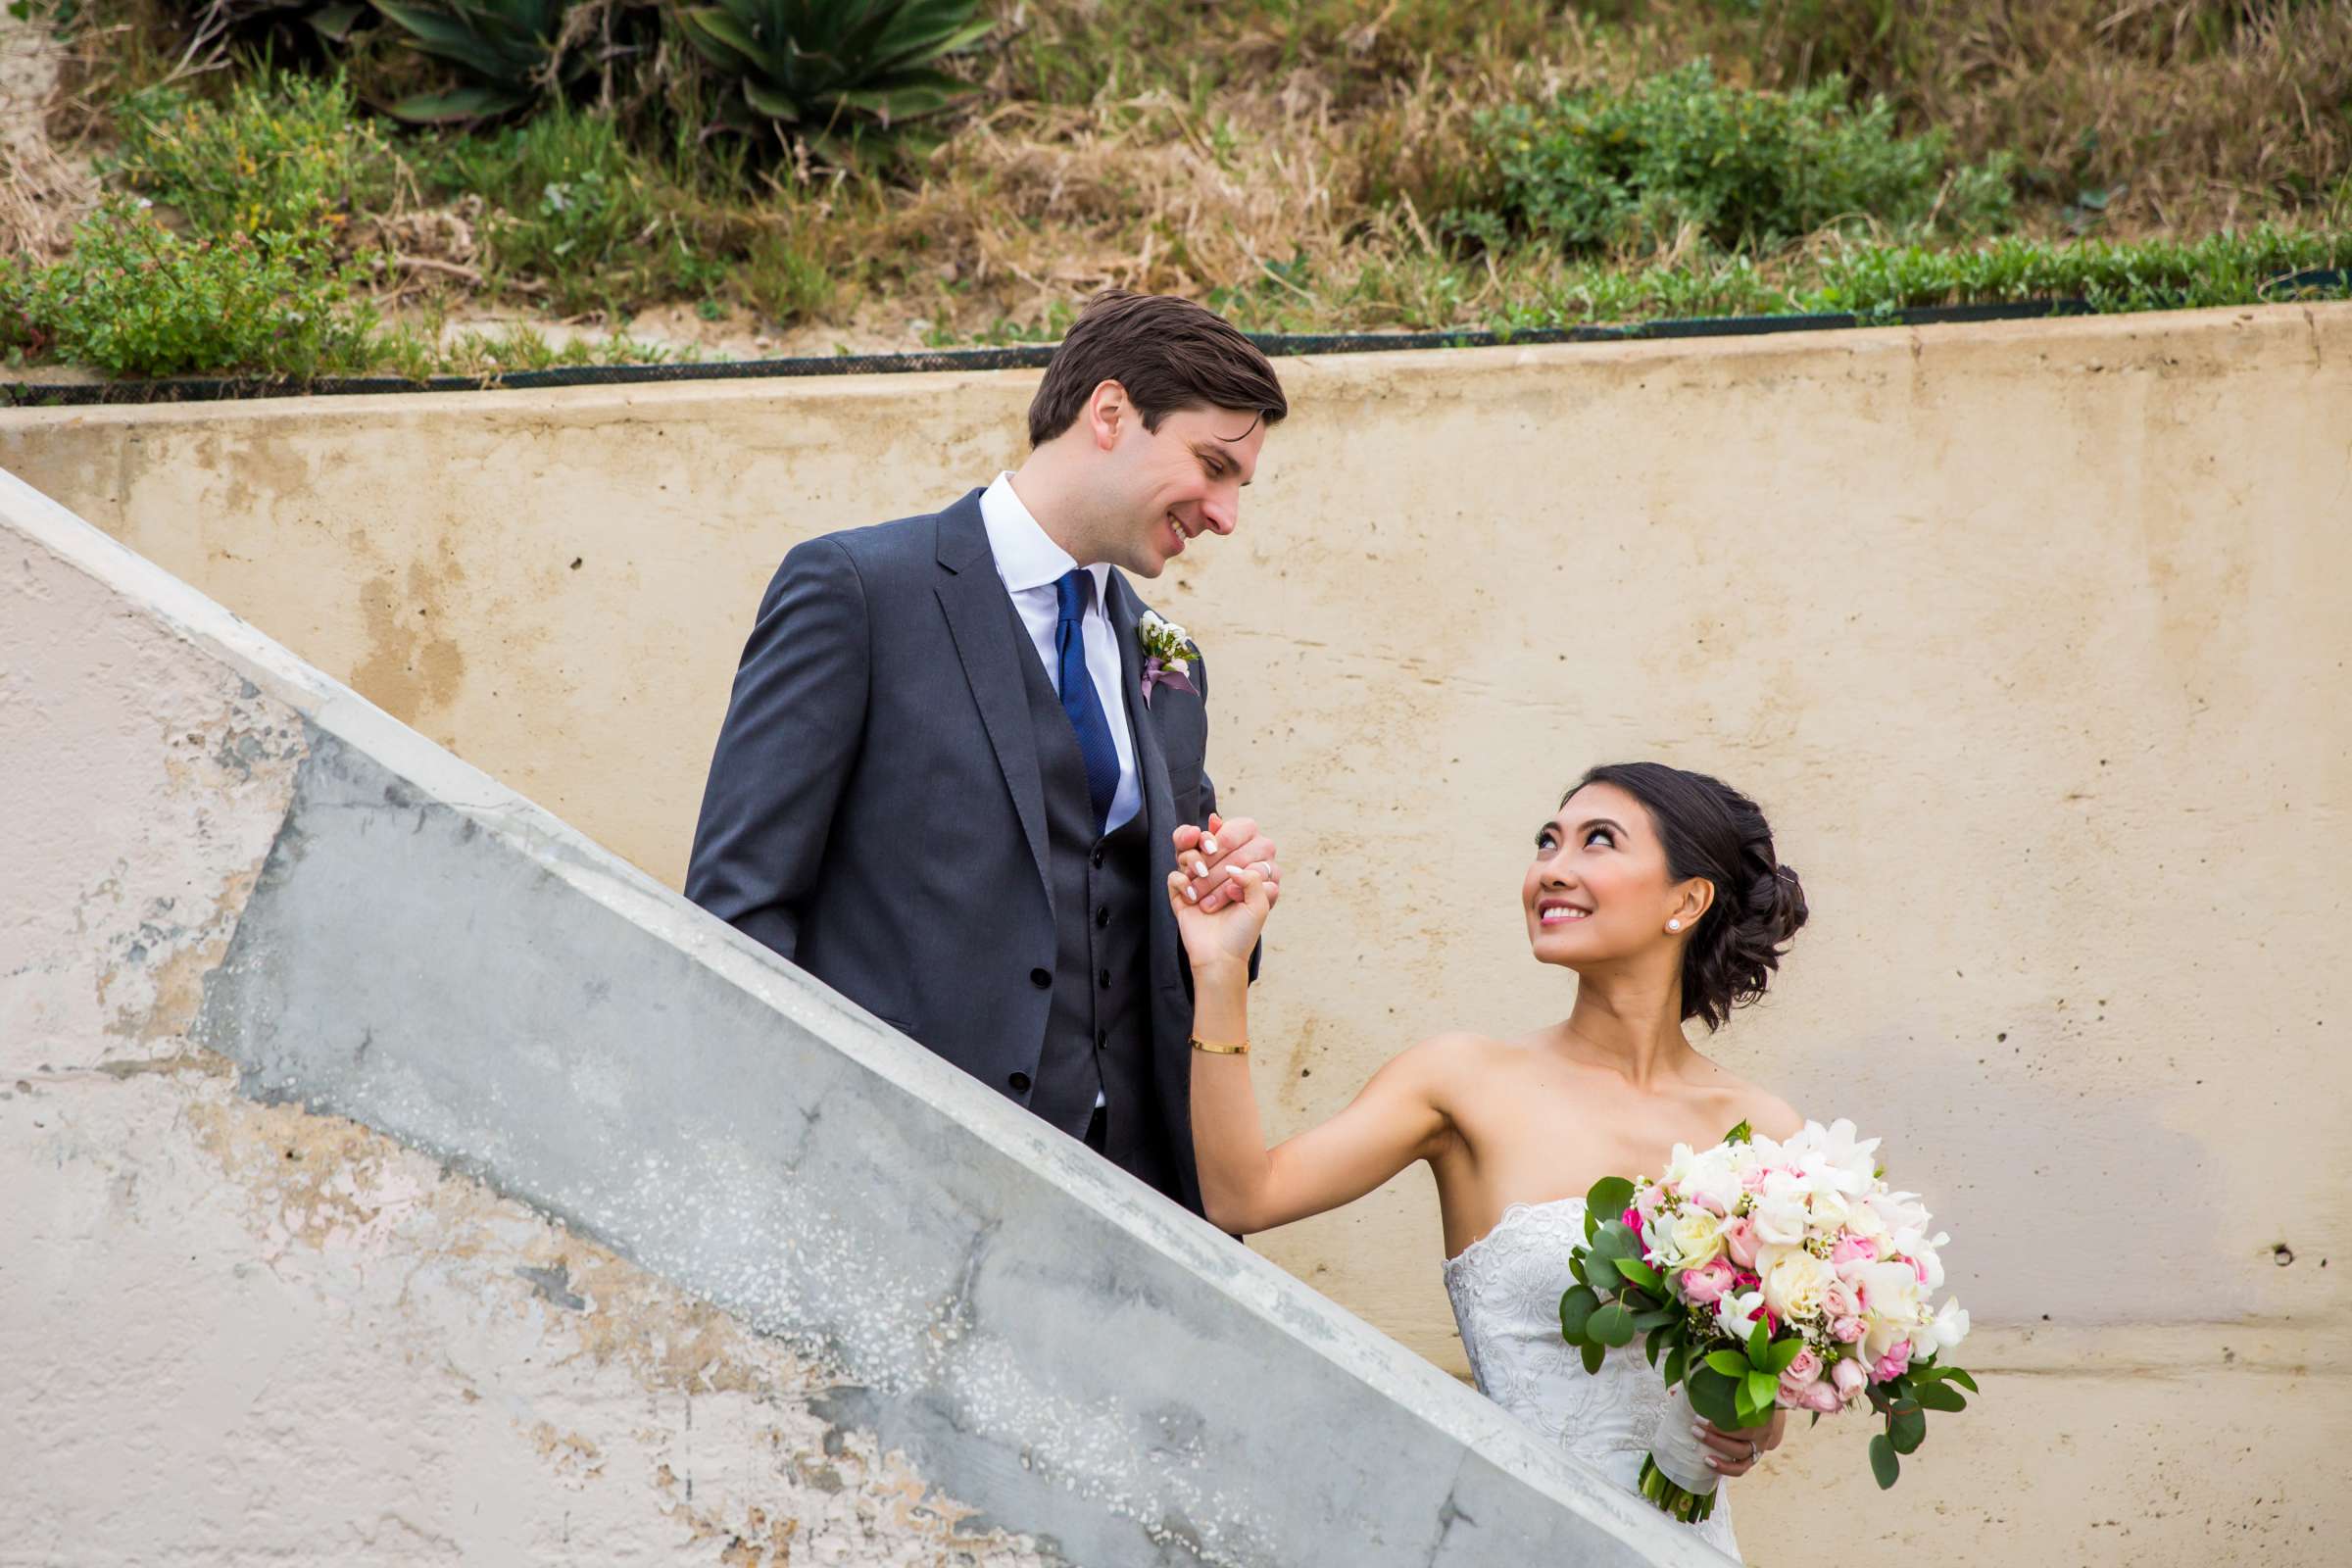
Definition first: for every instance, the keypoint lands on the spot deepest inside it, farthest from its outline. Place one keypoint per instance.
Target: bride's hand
(1736, 1453)
(1228, 935)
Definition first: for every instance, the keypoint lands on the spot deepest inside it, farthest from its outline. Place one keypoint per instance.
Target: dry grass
(1288, 160)
(1291, 158)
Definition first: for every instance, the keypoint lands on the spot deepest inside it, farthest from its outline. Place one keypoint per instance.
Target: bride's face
(1599, 887)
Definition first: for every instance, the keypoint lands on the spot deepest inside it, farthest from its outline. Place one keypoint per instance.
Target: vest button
(1040, 979)
(1019, 1082)
(1103, 979)
(1097, 857)
(1102, 1040)
(1102, 916)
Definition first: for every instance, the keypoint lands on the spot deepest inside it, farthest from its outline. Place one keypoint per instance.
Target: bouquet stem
(1675, 1474)
(1688, 1507)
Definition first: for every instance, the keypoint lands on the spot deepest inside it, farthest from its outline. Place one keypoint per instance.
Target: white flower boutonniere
(1165, 661)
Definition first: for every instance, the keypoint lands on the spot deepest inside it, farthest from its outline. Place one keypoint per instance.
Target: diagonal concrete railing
(1045, 1340)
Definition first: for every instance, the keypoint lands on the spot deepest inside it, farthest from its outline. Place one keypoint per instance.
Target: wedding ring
(1754, 1451)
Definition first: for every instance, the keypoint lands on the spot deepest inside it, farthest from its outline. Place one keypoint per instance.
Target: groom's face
(1178, 482)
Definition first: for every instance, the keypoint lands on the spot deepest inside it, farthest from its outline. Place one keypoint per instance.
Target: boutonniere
(1164, 659)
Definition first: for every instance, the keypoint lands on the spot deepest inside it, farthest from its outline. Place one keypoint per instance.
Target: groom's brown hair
(1168, 353)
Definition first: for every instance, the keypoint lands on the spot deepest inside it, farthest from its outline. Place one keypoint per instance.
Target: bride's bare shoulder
(1447, 1057)
(1762, 1109)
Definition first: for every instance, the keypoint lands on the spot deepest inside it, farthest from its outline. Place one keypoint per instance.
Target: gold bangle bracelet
(1240, 1049)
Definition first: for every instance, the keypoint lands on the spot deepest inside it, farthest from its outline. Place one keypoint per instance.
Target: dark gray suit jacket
(876, 811)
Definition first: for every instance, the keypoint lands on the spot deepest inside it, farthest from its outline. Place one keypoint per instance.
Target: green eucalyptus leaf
(1593, 1350)
(1601, 1274)
(1907, 1431)
(1612, 1325)
(1712, 1397)
(1882, 1462)
(1609, 1196)
(1942, 1396)
(1576, 1310)
(1576, 1265)
(1677, 1363)
(1952, 1374)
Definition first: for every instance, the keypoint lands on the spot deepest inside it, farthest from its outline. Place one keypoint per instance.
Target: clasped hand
(1225, 883)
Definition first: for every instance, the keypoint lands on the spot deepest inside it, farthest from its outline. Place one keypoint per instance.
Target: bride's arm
(1244, 1186)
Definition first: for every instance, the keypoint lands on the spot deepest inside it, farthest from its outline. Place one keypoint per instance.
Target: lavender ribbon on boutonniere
(1165, 661)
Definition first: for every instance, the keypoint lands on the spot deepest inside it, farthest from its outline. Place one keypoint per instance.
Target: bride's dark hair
(1711, 831)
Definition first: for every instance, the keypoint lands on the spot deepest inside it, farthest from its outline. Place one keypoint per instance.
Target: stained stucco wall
(395, 1177)
(2029, 637)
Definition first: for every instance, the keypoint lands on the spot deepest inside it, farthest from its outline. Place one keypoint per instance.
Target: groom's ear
(1109, 412)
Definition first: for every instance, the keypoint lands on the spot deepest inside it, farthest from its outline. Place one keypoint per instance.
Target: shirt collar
(1026, 555)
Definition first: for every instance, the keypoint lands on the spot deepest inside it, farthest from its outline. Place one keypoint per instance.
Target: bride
(1660, 889)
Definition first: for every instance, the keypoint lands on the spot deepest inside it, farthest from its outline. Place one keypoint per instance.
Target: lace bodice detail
(1506, 1288)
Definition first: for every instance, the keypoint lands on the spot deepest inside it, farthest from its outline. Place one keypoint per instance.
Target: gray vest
(1098, 1027)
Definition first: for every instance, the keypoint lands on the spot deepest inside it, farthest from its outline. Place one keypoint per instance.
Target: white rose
(1796, 1286)
(1781, 1210)
(1890, 1306)
(1695, 1239)
(1713, 1183)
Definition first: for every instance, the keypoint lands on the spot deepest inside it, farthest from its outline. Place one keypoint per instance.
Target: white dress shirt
(1031, 564)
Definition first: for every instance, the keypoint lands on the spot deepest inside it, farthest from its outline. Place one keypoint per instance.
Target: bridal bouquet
(1768, 1275)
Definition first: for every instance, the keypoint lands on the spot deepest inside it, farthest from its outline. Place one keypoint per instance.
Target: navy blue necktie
(1076, 591)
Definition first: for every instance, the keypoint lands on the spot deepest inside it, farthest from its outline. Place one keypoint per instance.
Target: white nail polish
(1190, 897)
(1208, 844)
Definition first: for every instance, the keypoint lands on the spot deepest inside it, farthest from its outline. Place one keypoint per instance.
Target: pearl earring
(1674, 925)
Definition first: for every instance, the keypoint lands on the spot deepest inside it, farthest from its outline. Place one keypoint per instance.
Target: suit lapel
(1152, 772)
(981, 622)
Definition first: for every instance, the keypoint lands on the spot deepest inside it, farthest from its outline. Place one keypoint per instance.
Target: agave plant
(823, 70)
(506, 47)
(290, 28)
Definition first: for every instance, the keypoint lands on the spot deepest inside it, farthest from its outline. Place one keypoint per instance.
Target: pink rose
(1799, 1377)
(1740, 1240)
(1852, 1249)
(1893, 1364)
(1922, 1268)
(1633, 1219)
(1816, 1395)
(1752, 1181)
(1847, 1330)
(1706, 1286)
(1648, 1200)
(1839, 1300)
(1847, 1374)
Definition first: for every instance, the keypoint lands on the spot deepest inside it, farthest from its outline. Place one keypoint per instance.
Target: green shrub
(827, 72)
(2225, 269)
(133, 298)
(1750, 169)
(283, 155)
(569, 201)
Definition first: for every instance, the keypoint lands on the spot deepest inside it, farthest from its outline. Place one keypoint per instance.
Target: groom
(944, 786)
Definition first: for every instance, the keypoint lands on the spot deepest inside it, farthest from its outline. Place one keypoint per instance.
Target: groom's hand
(1209, 856)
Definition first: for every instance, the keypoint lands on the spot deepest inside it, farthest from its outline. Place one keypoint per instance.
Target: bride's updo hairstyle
(1711, 831)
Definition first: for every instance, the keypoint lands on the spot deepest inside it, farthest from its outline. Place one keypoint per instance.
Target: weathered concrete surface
(2029, 636)
(396, 1177)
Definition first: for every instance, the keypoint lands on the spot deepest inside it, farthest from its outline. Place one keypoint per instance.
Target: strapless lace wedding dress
(1506, 1288)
